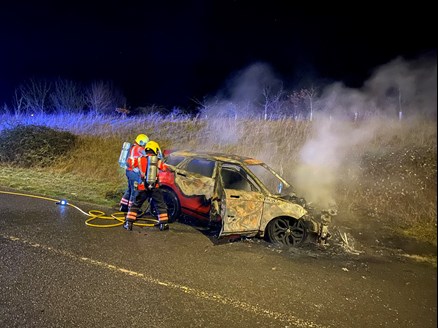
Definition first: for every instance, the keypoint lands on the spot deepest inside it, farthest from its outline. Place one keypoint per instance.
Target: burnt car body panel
(277, 207)
(226, 189)
(241, 212)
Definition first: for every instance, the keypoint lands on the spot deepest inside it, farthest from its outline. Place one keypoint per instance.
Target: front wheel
(287, 231)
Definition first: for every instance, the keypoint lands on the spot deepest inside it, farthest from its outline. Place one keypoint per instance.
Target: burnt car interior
(174, 160)
(203, 167)
(236, 179)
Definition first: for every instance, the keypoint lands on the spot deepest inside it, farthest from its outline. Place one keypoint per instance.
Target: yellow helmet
(152, 145)
(142, 139)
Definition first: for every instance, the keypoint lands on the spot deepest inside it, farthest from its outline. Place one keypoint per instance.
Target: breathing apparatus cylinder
(152, 171)
(124, 153)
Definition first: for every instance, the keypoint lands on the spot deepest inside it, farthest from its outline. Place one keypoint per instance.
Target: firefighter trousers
(131, 192)
(157, 203)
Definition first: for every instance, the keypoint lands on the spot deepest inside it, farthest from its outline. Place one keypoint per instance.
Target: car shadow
(211, 231)
(203, 226)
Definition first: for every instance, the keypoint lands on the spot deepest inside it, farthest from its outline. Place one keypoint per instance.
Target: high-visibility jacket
(137, 160)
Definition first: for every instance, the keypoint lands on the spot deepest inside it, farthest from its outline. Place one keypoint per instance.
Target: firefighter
(134, 171)
(149, 188)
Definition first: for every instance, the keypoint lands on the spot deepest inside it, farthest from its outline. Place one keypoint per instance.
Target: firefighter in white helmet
(150, 188)
(134, 171)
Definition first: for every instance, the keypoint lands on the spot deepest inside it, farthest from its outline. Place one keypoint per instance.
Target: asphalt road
(58, 272)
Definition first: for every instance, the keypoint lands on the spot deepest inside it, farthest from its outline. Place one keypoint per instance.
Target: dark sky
(169, 52)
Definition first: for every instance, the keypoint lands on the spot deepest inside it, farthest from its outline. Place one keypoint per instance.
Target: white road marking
(284, 317)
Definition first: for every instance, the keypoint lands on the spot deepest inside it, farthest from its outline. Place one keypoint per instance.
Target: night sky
(171, 52)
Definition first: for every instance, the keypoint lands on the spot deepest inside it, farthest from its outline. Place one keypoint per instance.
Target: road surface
(58, 272)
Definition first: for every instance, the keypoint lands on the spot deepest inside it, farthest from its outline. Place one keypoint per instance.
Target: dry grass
(395, 182)
(381, 171)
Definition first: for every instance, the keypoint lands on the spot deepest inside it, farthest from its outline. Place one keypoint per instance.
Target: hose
(93, 214)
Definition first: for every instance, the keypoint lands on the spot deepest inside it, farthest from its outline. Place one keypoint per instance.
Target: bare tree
(103, 98)
(18, 102)
(33, 96)
(67, 96)
(303, 101)
(207, 107)
(271, 100)
(297, 99)
(400, 110)
(5, 109)
(310, 94)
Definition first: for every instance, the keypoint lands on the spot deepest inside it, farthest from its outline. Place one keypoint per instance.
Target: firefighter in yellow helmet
(134, 171)
(150, 188)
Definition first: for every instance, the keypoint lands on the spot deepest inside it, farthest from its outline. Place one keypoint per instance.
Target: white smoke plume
(325, 157)
(400, 89)
(242, 95)
(240, 98)
(247, 85)
(412, 85)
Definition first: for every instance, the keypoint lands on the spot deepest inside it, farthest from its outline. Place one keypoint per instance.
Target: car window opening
(174, 160)
(201, 166)
(266, 176)
(234, 180)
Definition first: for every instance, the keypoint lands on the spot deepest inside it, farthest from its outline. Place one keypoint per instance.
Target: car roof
(222, 157)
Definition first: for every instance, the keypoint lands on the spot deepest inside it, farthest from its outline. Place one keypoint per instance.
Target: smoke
(241, 97)
(397, 90)
(346, 120)
(400, 87)
(325, 157)
(412, 86)
(247, 85)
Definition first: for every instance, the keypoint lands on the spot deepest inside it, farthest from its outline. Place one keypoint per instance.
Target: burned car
(244, 196)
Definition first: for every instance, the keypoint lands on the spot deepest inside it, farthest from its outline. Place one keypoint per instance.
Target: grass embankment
(381, 172)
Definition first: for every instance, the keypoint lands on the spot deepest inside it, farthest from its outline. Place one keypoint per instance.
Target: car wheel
(173, 205)
(287, 231)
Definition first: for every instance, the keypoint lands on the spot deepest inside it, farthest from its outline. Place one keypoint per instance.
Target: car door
(195, 181)
(241, 202)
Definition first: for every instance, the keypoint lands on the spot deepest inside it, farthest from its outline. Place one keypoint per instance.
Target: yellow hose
(93, 214)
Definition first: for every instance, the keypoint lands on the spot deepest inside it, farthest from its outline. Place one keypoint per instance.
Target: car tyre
(287, 231)
(173, 205)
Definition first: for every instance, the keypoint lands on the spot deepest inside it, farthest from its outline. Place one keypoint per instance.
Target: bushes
(34, 145)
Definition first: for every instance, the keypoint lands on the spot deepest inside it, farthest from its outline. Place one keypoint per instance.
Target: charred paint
(247, 212)
(274, 208)
(243, 211)
(195, 186)
(227, 158)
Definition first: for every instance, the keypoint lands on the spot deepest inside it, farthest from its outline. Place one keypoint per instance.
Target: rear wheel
(173, 205)
(287, 231)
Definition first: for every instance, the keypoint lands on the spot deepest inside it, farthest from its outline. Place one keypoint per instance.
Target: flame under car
(243, 195)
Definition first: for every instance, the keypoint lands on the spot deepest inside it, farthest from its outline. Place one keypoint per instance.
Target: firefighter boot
(163, 226)
(128, 224)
